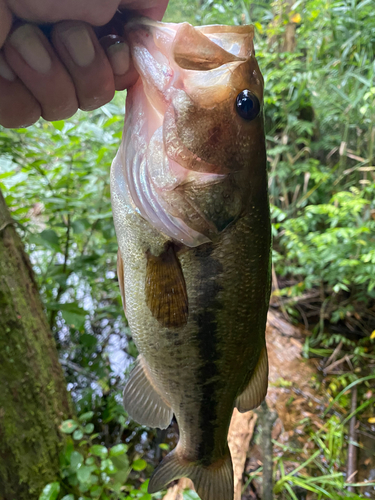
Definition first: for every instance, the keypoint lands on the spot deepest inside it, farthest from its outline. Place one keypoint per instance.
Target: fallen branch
(329, 368)
(352, 450)
(268, 418)
(334, 355)
(73, 366)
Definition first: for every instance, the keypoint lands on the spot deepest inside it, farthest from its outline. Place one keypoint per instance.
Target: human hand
(53, 77)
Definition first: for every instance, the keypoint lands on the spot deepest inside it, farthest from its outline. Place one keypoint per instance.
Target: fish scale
(196, 301)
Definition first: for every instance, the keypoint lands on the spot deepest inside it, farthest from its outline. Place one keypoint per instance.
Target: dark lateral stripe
(209, 353)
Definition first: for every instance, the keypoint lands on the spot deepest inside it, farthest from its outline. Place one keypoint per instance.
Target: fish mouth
(201, 48)
(184, 67)
(186, 151)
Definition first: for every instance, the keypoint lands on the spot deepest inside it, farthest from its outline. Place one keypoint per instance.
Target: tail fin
(214, 482)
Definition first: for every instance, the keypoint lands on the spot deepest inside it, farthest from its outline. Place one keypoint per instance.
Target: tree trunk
(286, 40)
(33, 395)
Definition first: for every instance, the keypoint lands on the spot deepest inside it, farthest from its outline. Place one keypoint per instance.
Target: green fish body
(190, 205)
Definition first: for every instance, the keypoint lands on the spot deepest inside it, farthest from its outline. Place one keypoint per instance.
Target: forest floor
(301, 421)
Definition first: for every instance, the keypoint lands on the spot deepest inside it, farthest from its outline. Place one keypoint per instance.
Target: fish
(190, 204)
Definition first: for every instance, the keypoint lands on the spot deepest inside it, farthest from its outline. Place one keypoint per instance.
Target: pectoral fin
(165, 289)
(142, 401)
(256, 389)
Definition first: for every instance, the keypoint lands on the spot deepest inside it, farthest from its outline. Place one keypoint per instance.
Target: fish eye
(247, 105)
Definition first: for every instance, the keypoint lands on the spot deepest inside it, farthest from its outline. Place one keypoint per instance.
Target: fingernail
(5, 70)
(27, 42)
(118, 55)
(78, 42)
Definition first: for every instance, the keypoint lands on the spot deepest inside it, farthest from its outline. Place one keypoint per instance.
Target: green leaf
(108, 466)
(73, 319)
(120, 478)
(88, 429)
(51, 240)
(83, 487)
(121, 462)
(139, 464)
(164, 446)
(50, 491)
(76, 460)
(86, 416)
(79, 225)
(72, 307)
(68, 497)
(117, 450)
(59, 125)
(190, 495)
(96, 491)
(144, 486)
(68, 426)
(77, 435)
(68, 450)
(72, 479)
(99, 451)
(88, 340)
(84, 474)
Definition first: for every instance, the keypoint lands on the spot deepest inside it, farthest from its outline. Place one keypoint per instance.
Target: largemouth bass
(191, 211)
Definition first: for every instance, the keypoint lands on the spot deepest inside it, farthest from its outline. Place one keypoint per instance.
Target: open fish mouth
(182, 131)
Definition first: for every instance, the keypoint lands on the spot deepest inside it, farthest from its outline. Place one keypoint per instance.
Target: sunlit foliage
(320, 124)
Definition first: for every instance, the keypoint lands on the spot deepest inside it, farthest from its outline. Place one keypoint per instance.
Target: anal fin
(256, 389)
(141, 400)
(212, 482)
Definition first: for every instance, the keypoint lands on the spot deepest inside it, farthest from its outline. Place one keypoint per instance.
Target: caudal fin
(214, 482)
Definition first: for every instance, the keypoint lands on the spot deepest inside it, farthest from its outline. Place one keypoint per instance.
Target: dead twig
(268, 418)
(303, 315)
(347, 358)
(277, 289)
(352, 450)
(334, 355)
(77, 368)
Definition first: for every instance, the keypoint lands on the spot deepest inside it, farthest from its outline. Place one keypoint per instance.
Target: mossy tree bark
(33, 395)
